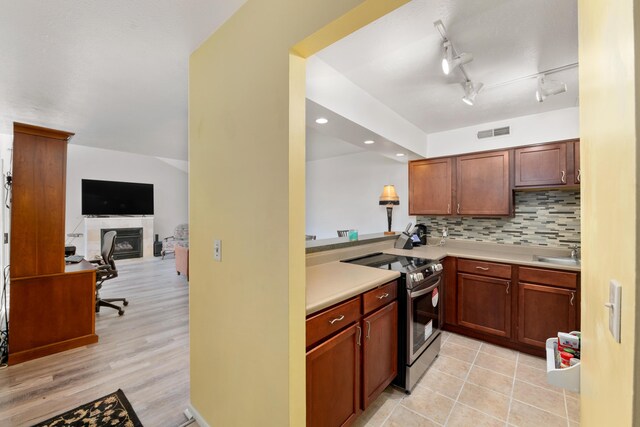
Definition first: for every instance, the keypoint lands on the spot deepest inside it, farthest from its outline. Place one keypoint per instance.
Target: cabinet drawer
(563, 279)
(378, 297)
(332, 320)
(483, 268)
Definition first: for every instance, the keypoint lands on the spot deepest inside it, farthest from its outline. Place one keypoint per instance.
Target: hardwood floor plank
(145, 353)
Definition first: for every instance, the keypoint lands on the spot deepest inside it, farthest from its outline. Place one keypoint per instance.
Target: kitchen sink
(561, 260)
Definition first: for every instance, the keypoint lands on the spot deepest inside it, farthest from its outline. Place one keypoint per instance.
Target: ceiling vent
(490, 133)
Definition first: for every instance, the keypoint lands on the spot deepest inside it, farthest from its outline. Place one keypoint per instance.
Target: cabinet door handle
(383, 296)
(508, 286)
(368, 329)
(578, 177)
(483, 268)
(337, 319)
(458, 210)
(359, 335)
(564, 177)
(573, 295)
(448, 208)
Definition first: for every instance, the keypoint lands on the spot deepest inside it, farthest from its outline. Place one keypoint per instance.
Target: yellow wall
(246, 183)
(609, 206)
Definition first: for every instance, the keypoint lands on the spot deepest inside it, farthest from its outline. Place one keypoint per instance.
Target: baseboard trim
(197, 416)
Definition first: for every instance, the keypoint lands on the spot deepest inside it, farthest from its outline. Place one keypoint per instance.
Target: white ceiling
(114, 72)
(397, 59)
(341, 136)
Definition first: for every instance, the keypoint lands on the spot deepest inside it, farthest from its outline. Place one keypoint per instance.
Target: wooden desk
(52, 313)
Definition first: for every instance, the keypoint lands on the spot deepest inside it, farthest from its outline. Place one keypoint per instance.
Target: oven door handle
(425, 291)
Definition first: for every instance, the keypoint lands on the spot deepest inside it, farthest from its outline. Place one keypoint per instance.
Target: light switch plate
(615, 305)
(217, 250)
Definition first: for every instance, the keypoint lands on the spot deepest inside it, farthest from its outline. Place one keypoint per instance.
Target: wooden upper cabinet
(38, 201)
(430, 187)
(541, 165)
(483, 186)
(576, 161)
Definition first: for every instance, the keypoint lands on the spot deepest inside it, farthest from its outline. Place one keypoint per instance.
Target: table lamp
(388, 198)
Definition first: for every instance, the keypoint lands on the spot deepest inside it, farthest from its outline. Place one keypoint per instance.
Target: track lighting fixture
(449, 62)
(470, 92)
(548, 88)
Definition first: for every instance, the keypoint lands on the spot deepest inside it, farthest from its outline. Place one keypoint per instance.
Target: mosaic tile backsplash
(546, 218)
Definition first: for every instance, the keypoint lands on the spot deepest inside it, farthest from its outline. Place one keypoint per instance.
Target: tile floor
(473, 383)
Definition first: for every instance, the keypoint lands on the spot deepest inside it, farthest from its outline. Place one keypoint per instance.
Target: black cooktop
(400, 263)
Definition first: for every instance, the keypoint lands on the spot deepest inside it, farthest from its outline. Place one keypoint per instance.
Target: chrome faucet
(575, 252)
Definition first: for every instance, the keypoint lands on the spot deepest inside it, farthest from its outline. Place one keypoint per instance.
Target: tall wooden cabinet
(51, 304)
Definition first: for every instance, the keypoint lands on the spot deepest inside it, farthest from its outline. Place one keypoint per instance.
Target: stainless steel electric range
(419, 312)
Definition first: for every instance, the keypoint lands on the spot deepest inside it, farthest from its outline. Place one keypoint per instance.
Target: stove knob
(420, 276)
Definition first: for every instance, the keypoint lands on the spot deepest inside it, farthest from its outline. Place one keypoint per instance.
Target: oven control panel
(427, 272)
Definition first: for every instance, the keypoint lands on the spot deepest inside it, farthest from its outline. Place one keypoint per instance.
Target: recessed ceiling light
(399, 154)
(322, 121)
(369, 142)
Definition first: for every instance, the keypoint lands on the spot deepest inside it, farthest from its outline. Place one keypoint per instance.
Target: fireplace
(128, 242)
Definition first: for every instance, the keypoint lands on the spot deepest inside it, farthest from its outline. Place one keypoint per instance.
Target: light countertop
(330, 281)
(336, 281)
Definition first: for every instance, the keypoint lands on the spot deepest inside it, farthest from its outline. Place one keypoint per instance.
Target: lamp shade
(389, 196)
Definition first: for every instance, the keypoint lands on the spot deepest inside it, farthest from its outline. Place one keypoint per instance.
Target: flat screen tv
(116, 198)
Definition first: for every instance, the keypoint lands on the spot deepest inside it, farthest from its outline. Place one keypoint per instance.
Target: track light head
(449, 62)
(447, 57)
(548, 88)
(470, 92)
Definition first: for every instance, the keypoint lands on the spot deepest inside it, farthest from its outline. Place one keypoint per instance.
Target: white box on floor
(568, 378)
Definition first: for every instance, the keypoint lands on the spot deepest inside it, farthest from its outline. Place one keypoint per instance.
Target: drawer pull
(449, 205)
(564, 177)
(578, 175)
(359, 334)
(508, 286)
(458, 210)
(483, 268)
(573, 295)
(383, 296)
(368, 329)
(337, 319)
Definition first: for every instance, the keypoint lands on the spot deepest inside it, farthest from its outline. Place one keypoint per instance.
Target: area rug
(113, 410)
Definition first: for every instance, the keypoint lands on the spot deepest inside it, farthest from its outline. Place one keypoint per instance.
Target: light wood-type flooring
(145, 353)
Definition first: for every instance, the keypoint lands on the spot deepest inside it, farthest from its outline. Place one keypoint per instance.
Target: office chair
(343, 233)
(106, 270)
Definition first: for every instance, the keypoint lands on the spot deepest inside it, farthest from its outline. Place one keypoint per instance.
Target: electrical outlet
(217, 250)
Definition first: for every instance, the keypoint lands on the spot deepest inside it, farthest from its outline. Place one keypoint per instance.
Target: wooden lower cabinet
(352, 356)
(484, 304)
(543, 311)
(380, 352)
(514, 306)
(333, 380)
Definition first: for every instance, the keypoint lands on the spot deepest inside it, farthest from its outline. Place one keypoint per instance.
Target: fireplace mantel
(93, 225)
